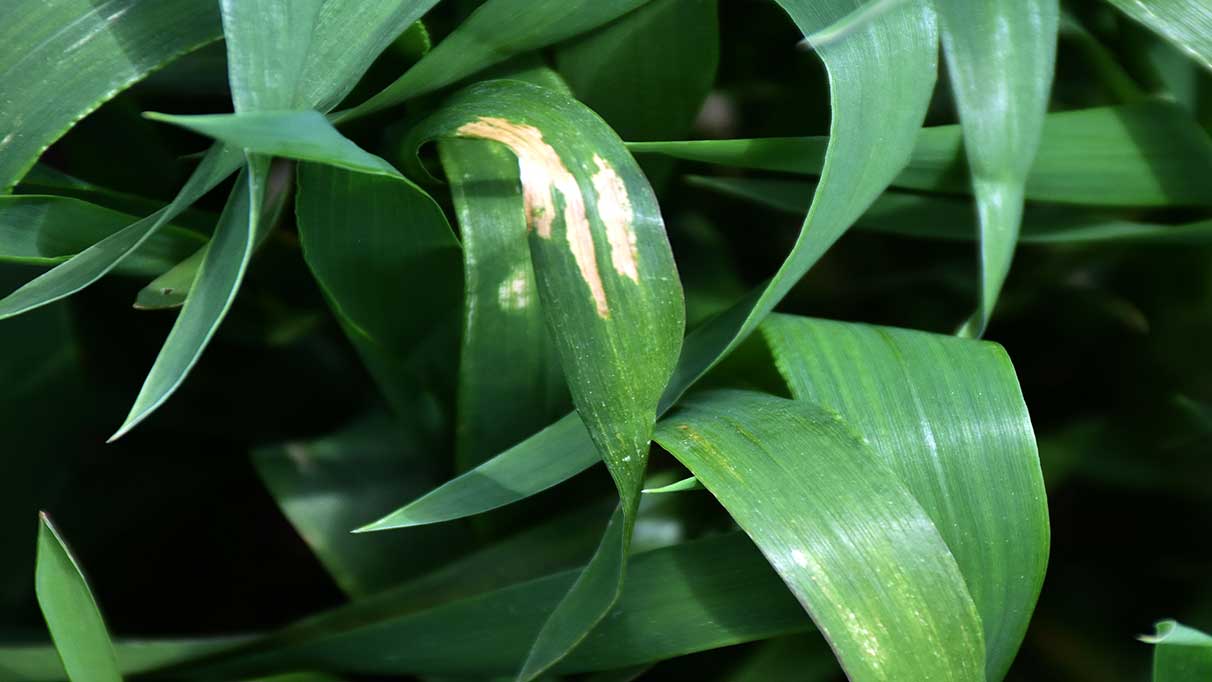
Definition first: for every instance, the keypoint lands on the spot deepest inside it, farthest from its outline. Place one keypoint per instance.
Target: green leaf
(42, 179)
(947, 416)
(510, 382)
(648, 72)
(40, 663)
(95, 262)
(946, 218)
(307, 54)
(797, 658)
(47, 230)
(1147, 154)
(1180, 653)
(479, 42)
(842, 531)
(1185, 23)
(881, 77)
(71, 613)
(61, 59)
(388, 264)
(609, 290)
(330, 485)
(300, 135)
(1000, 56)
(213, 292)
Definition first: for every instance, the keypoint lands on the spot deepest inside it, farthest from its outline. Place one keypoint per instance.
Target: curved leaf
(61, 59)
(843, 532)
(1185, 23)
(1180, 653)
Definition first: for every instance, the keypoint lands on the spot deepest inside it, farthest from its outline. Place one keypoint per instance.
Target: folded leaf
(61, 59)
(1180, 653)
(842, 531)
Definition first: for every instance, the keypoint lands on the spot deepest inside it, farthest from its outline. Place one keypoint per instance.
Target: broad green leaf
(840, 528)
(479, 42)
(71, 613)
(300, 135)
(40, 663)
(1000, 56)
(1180, 653)
(946, 218)
(947, 417)
(647, 72)
(213, 292)
(330, 485)
(609, 290)
(1185, 23)
(95, 262)
(880, 77)
(678, 600)
(388, 264)
(61, 59)
(510, 383)
(307, 54)
(1147, 154)
(47, 230)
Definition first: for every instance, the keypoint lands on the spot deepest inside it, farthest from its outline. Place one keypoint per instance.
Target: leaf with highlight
(1185, 23)
(1180, 653)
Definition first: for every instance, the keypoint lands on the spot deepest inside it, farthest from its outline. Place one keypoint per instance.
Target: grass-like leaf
(1185, 23)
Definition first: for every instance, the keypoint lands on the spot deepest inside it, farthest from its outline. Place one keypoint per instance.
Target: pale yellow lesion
(543, 173)
(614, 209)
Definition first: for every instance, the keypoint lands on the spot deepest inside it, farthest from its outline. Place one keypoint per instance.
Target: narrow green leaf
(61, 59)
(684, 485)
(95, 262)
(388, 264)
(1185, 23)
(300, 135)
(880, 78)
(48, 230)
(170, 289)
(40, 663)
(609, 289)
(1147, 154)
(42, 179)
(510, 382)
(307, 54)
(71, 613)
(945, 218)
(218, 280)
(843, 532)
(946, 415)
(478, 42)
(1000, 56)
(1180, 653)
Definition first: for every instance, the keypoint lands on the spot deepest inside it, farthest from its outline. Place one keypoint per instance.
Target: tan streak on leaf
(614, 208)
(541, 171)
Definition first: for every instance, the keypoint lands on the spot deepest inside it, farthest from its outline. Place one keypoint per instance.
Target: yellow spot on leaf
(614, 208)
(542, 173)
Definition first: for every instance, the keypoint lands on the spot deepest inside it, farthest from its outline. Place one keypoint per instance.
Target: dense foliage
(465, 360)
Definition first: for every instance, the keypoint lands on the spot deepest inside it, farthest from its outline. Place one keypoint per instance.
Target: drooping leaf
(510, 382)
(61, 59)
(478, 42)
(211, 296)
(72, 615)
(1147, 154)
(1000, 56)
(47, 230)
(947, 417)
(99, 259)
(1185, 23)
(881, 78)
(1180, 653)
(947, 218)
(842, 531)
(609, 290)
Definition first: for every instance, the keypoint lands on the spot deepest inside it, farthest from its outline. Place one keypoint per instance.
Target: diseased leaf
(47, 230)
(479, 42)
(947, 417)
(1180, 653)
(61, 59)
(1000, 56)
(211, 296)
(842, 531)
(1147, 154)
(71, 613)
(1185, 23)
(609, 291)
